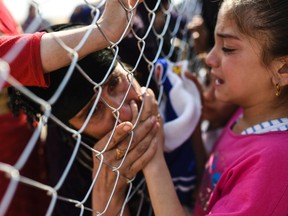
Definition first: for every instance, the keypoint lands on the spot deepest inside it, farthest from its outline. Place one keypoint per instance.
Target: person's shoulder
(265, 148)
(274, 146)
(274, 139)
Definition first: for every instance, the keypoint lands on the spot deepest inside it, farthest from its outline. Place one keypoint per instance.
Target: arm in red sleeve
(22, 53)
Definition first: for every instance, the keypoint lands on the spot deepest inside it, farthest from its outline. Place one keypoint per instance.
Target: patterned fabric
(181, 109)
(280, 124)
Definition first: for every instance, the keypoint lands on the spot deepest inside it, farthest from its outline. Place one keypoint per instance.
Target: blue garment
(181, 161)
(182, 166)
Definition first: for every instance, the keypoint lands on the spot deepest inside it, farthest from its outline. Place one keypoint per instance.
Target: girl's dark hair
(77, 92)
(265, 20)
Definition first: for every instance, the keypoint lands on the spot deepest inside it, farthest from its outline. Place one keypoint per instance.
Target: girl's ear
(283, 74)
(283, 69)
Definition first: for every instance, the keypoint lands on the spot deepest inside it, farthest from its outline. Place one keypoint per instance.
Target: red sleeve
(22, 52)
(8, 24)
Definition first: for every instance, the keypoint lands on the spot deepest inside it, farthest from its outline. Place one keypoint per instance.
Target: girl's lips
(217, 81)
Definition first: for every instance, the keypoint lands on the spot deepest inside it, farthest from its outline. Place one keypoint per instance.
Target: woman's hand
(116, 16)
(128, 152)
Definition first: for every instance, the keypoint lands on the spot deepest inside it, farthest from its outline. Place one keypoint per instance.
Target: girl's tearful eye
(227, 50)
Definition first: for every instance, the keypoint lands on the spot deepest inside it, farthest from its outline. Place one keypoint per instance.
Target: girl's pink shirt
(246, 175)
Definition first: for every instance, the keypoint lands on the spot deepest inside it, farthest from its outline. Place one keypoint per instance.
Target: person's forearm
(53, 56)
(113, 208)
(161, 189)
(102, 191)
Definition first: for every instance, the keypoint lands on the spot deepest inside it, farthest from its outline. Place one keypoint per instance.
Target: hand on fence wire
(116, 20)
(113, 25)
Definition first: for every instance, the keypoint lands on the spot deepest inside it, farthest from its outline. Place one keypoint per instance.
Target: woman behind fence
(73, 108)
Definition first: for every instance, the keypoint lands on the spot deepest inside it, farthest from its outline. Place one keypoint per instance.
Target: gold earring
(278, 90)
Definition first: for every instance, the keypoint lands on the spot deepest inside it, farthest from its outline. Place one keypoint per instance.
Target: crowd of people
(114, 133)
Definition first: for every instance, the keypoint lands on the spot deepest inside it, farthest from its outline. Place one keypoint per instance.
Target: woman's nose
(120, 98)
(125, 110)
(123, 97)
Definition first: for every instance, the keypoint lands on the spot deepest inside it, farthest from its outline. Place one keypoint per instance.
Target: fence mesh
(163, 35)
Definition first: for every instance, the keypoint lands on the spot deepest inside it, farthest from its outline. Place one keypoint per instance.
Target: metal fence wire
(158, 30)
